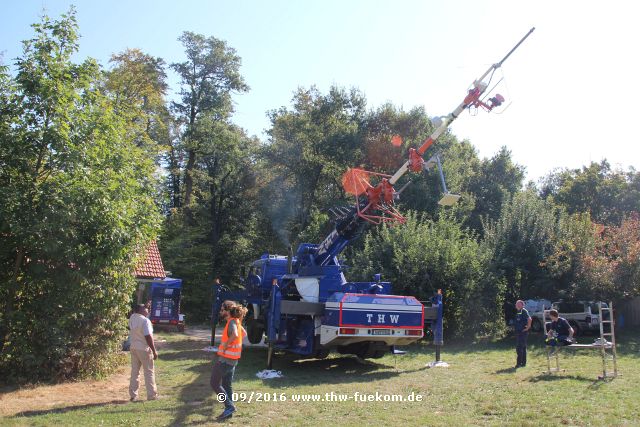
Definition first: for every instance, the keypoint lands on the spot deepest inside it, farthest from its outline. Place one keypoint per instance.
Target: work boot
(228, 413)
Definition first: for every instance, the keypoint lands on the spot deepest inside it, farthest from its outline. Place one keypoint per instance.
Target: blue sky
(571, 86)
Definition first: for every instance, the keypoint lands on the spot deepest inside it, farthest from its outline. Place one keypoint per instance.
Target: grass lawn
(479, 388)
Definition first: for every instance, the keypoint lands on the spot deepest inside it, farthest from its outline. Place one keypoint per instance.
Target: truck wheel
(379, 353)
(536, 325)
(255, 331)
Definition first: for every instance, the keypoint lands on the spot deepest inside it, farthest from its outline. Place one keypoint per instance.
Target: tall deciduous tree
(224, 230)
(77, 204)
(310, 148)
(138, 86)
(519, 241)
(209, 76)
(607, 194)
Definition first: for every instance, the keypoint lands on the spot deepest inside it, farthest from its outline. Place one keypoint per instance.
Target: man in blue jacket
(521, 325)
(560, 332)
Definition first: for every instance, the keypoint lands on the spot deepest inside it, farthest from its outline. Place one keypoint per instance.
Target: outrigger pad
(449, 199)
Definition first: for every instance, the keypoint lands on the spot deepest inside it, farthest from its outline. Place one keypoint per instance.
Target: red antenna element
(379, 199)
(356, 181)
(416, 161)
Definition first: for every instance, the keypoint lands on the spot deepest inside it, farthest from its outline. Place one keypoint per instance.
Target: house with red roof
(149, 269)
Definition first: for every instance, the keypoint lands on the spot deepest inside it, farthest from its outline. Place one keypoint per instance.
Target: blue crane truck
(303, 303)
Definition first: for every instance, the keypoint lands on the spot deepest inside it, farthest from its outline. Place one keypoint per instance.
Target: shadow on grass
(547, 377)
(627, 343)
(196, 399)
(332, 370)
(67, 409)
(511, 370)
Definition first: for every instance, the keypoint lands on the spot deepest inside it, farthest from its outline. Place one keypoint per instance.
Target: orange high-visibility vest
(234, 348)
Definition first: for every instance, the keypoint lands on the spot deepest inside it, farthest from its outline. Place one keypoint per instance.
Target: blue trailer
(165, 303)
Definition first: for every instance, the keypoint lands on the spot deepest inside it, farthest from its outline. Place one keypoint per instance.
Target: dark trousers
(221, 378)
(558, 341)
(521, 348)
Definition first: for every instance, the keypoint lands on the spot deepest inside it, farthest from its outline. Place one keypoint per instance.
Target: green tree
(422, 256)
(226, 222)
(519, 241)
(77, 205)
(212, 233)
(209, 76)
(494, 184)
(310, 148)
(138, 85)
(575, 240)
(607, 194)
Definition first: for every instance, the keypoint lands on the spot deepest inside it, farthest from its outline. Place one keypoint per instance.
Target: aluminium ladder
(604, 347)
(607, 348)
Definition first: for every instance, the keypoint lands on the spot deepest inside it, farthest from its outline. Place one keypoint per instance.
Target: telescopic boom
(471, 100)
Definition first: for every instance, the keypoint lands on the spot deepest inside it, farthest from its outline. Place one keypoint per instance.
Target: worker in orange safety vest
(229, 352)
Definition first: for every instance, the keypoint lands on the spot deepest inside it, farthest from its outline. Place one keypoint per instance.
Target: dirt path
(41, 398)
(112, 390)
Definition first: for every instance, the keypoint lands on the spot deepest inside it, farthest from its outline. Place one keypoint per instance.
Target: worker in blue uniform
(560, 332)
(521, 325)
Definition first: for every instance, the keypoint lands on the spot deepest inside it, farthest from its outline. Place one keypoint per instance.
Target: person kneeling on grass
(229, 352)
(560, 333)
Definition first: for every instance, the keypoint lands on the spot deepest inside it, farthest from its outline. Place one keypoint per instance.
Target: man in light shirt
(143, 353)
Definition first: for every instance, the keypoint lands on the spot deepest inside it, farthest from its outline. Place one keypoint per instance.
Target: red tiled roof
(151, 267)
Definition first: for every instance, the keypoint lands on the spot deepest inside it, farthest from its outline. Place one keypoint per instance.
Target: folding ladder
(607, 348)
(611, 355)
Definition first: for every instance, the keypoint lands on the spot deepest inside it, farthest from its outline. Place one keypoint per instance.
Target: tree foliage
(137, 85)
(519, 241)
(208, 77)
(422, 256)
(212, 176)
(608, 195)
(494, 184)
(223, 230)
(309, 149)
(77, 204)
(601, 262)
